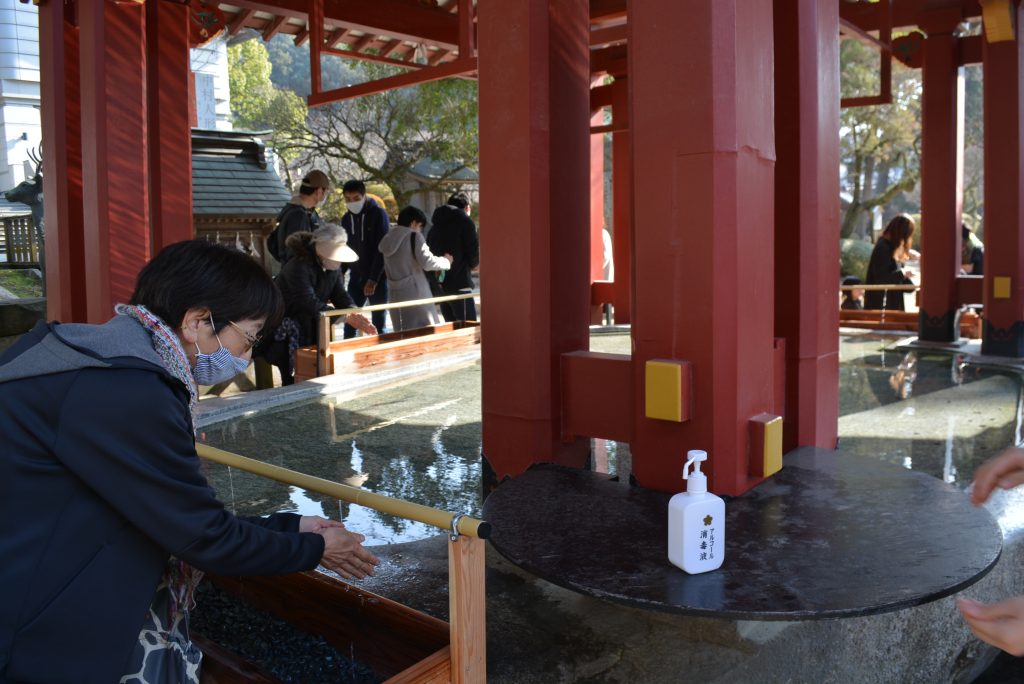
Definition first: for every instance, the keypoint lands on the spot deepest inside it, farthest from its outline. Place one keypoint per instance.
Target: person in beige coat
(406, 261)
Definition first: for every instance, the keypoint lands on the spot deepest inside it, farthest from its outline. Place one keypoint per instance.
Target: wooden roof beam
(603, 11)
(337, 37)
(239, 22)
(403, 19)
(273, 27)
(905, 13)
(602, 37)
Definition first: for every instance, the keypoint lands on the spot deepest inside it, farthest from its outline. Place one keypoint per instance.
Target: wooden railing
(466, 595)
(325, 330)
(20, 245)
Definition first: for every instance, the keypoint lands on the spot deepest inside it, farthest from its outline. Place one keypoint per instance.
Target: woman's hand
(362, 323)
(315, 523)
(1005, 470)
(1000, 624)
(344, 553)
(449, 257)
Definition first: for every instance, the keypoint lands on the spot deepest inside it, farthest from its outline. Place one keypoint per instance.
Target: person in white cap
(310, 283)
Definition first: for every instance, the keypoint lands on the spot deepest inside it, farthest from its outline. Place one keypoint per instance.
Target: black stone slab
(831, 535)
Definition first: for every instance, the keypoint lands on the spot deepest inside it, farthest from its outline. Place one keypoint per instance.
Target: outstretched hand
(1000, 624)
(1005, 470)
(315, 523)
(344, 553)
(361, 323)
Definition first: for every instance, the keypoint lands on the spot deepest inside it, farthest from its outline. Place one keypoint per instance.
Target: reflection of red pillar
(1004, 211)
(62, 164)
(170, 136)
(807, 217)
(622, 210)
(534, 159)
(703, 152)
(942, 172)
(114, 164)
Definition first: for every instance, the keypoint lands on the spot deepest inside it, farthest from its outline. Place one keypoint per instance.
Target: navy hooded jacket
(365, 231)
(99, 484)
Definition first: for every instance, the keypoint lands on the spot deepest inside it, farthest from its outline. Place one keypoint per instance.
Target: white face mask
(355, 207)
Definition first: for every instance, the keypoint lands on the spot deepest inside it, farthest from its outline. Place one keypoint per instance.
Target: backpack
(274, 241)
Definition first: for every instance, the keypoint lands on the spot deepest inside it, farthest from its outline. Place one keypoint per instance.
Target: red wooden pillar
(170, 136)
(535, 168)
(597, 199)
(622, 209)
(807, 217)
(1004, 196)
(942, 174)
(702, 124)
(114, 145)
(62, 162)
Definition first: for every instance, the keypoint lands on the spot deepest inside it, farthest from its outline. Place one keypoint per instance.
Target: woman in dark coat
(106, 519)
(885, 267)
(311, 282)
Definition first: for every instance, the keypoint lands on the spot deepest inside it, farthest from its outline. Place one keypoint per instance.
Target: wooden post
(467, 609)
(323, 344)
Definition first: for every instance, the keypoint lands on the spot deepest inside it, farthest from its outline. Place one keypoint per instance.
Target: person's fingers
(1011, 480)
(990, 473)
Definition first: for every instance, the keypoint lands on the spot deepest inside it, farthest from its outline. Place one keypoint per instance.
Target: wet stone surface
(830, 535)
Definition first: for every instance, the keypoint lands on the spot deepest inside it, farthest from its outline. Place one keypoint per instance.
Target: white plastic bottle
(696, 522)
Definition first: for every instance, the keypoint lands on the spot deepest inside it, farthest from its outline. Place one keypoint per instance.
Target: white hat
(331, 242)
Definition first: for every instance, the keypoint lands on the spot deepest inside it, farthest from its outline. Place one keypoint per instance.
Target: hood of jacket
(301, 245)
(72, 346)
(395, 239)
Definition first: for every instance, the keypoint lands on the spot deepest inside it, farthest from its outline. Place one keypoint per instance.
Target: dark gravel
(278, 648)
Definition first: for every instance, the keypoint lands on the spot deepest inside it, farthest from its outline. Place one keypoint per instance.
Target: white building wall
(20, 128)
(211, 60)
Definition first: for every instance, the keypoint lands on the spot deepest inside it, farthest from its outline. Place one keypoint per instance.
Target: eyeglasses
(251, 339)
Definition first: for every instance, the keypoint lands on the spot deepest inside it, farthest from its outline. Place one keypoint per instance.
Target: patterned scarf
(168, 347)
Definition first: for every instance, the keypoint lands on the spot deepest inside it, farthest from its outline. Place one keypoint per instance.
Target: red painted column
(807, 217)
(535, 168)
(62, 163)
(170, 135)
(1004, 189)
(702, 123)
(114, 146)
(597, 199)
(942, 179)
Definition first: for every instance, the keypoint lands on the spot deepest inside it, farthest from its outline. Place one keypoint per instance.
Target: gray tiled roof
(12, 209)
(231, 176)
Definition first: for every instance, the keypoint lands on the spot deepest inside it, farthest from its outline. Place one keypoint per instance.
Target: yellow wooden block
(666, 390)
(773, 447)
(997, 17)
(765, 445)
(1001, 287)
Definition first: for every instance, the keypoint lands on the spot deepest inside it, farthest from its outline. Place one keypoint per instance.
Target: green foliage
(21, 283)
(854, 256)
(379, 137)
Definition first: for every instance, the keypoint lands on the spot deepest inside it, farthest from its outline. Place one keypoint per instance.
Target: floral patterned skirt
(164, 654)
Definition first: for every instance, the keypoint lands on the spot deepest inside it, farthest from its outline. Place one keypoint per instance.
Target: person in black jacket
(453, 232)
(299, 214)
(310, 283)
(366, 223)
(106, 518)
(885, 267)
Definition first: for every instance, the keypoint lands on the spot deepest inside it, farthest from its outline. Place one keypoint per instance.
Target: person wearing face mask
(108, 520)
(310, 283)
(366, 223)
(407, 259)
(299, 214)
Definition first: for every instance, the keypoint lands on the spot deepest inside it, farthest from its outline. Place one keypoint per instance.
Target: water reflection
(927, 411)
(401, 442)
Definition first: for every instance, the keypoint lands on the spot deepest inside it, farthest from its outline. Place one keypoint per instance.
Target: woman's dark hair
(199, 274)
(899, 230)
(459, 199)
(407, 216)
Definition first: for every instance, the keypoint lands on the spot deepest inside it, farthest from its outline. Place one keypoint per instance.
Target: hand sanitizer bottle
(696, 522)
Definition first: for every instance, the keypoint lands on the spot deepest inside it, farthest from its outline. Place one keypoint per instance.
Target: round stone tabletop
(828, 536)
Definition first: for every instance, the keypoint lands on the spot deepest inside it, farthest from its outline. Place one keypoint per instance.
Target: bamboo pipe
(397, 305)
(471, 527)
(870, 288)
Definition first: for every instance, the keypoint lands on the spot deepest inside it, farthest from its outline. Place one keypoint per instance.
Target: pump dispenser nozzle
(696, 481)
